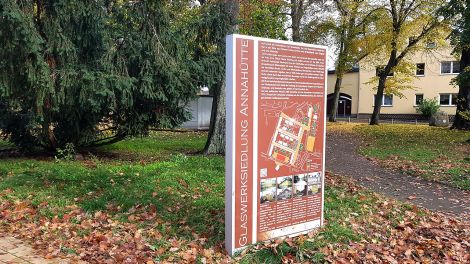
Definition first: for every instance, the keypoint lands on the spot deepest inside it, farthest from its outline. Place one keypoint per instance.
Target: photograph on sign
(275, 153)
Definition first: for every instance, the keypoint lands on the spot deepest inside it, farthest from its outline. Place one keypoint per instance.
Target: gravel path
(342, 158)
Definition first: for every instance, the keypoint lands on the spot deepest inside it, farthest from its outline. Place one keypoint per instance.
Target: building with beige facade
(434, 71)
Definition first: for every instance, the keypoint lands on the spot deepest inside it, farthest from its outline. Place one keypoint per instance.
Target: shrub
(66, 154)
(428, 107)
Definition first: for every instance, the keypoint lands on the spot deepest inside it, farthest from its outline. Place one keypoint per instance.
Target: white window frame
(421, 75)
(451, 68)
(415, 98)
(451, 102)
(383, 100)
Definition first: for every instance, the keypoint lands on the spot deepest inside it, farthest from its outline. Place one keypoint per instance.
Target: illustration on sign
(287, 142)
(276, 93)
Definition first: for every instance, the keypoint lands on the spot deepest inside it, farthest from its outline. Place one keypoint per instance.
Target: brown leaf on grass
(183, 183)
(362, 198)
(103, 245)
(189, 256)
(288, 258)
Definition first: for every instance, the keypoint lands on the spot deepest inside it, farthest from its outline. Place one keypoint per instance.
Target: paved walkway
(15, 251)
(342, 159)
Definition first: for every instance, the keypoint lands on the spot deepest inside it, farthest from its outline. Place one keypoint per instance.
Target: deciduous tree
(228, 13)
(263, 18)
(349, 29)
(253, 17)
(405, 27)
(299, 13)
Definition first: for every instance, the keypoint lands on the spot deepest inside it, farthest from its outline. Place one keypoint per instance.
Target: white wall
(200, 109)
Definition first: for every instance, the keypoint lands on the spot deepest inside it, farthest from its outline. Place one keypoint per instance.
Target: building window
(448, 99)
(387, 99)
(420, 69)
(419, 99)
(450, 67)
(431, 45)
(456, 67)
(379, 69)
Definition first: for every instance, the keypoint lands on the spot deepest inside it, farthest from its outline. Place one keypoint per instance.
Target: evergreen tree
(90, 72)
(215, 144)
(205, 27)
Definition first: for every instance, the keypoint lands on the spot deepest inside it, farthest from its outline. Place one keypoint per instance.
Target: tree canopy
(263, 18)
(94, 72)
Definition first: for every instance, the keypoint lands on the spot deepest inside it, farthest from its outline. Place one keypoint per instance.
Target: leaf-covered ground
(433, 153)
(172, 210)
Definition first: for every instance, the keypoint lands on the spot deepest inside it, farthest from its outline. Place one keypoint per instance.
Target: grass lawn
(170, 208)
(157, 146)
(433, 153)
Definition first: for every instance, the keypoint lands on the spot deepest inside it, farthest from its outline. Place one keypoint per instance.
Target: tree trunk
(334, 107)
(462, 115)
(296, 16)
(295, 29)
(215, 143)
(345, 41)
(392, 62)
(374, 120)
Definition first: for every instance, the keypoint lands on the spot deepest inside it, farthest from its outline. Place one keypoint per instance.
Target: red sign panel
(276, 93)
(244, 142)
